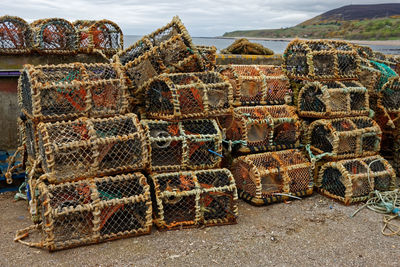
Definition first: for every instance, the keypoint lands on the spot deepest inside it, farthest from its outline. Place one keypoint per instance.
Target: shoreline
(361, 42)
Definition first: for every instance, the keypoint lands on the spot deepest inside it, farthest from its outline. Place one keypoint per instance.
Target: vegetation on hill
(328, 26)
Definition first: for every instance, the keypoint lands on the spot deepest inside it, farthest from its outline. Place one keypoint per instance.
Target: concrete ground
(312, 232)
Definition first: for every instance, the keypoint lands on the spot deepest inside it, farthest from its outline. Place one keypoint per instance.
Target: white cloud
(201, 17)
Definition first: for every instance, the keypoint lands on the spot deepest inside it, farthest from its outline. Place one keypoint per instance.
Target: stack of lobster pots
(380, 75)
(87, 153)
(59, 36)
(177, 94)
(342, 139)
(262, 136)
(84, 153)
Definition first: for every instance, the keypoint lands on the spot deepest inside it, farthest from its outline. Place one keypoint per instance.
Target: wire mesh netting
(93, 211)
(55, 36)
(262, 128)
(68, 91)
(193, 144)
(188, 95)
(345, 137)
(15, 35)
(257, 84)
(273, 176)
(352, 180)
(333, 99)
(92, 147)
(103, 35)
(168, 49)
(321, 60)
(192, 199)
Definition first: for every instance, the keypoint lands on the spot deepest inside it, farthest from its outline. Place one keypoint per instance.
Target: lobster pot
(54, 36)
(188, 95)
(192, 199)
(209, 55)
(321, 60)
(192, 144)
(168, 49)
(352, 180)
(262, 128)
(271, 177)
(345, 138)
(93, 211)
(92, 147)
(69, 91)
(389, 96)
(333, 99)
(15, 35)
(103, 35)
(258, 84)
(370, 78)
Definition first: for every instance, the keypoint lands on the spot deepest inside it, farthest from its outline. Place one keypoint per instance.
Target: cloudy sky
(201, 17)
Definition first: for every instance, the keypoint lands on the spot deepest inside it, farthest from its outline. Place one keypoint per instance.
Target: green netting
(386, 73)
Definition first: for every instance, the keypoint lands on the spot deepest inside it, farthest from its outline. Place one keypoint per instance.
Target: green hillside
(327, 25)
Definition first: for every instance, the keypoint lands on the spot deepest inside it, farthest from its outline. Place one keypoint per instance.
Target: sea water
(278, 46)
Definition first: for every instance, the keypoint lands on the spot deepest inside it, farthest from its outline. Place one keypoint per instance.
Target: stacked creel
(380, 75)
(15, 36)
(85, 153)
(176, 93)
(59, 36)
(340, 135)
(263, 123)
(103, 35)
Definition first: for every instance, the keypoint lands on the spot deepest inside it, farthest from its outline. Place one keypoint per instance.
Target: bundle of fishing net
(344, 137)
(244, 47)
(188, 95)
(191, 144)
(271, 177)
(86, 148)
(257, 84)
(333, 99)
(321, 60)
(91, 211)
(54, 36)
(103, 35)
(168, 49)
(15, 35)
(68, 91)
(209, 55)
(193, 199)
(352, 180)
(261, 128)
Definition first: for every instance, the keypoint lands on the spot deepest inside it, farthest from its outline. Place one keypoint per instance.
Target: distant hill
(362, 22)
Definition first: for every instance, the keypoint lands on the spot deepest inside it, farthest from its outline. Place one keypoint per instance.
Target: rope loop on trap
(315, 158)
